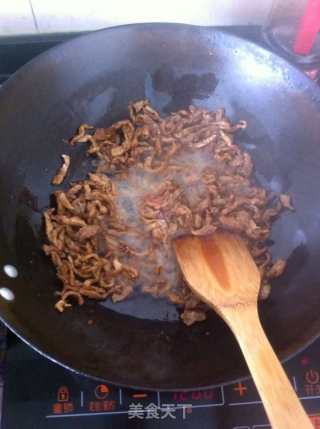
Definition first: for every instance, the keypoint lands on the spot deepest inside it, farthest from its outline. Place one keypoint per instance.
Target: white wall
(31, 16)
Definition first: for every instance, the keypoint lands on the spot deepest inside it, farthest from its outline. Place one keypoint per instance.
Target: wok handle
(280, 401)
(309, 27)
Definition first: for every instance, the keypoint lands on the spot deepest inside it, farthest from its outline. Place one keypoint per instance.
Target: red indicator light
(305, 361)
(241, 389)
(101, 391)
(315, 419)
(63, 394)
(139, 395)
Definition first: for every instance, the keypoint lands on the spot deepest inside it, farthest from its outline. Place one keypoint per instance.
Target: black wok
(92, 79)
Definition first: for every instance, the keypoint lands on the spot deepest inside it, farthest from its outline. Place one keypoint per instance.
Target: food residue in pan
(156, 178)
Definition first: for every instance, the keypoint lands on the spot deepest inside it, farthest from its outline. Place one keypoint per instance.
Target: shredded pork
(156, 178)
(62, 172)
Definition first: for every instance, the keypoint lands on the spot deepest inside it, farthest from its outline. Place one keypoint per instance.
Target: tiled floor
(32, 16)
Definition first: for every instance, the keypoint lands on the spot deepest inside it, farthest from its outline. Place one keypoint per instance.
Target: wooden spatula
(221, 271)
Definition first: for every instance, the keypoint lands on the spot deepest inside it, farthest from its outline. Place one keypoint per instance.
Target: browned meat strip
(182, 174)
(62, 172)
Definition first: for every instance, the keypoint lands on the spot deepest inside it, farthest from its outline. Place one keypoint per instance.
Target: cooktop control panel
(40, 394)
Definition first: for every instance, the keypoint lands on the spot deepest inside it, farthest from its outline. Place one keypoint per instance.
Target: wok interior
(141, 342)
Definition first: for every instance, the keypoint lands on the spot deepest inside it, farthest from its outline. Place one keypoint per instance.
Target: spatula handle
(278, 396)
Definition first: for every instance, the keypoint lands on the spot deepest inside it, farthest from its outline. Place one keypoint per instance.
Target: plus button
(241, 389)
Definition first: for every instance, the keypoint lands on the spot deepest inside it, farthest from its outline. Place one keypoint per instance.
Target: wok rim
(295, 348)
